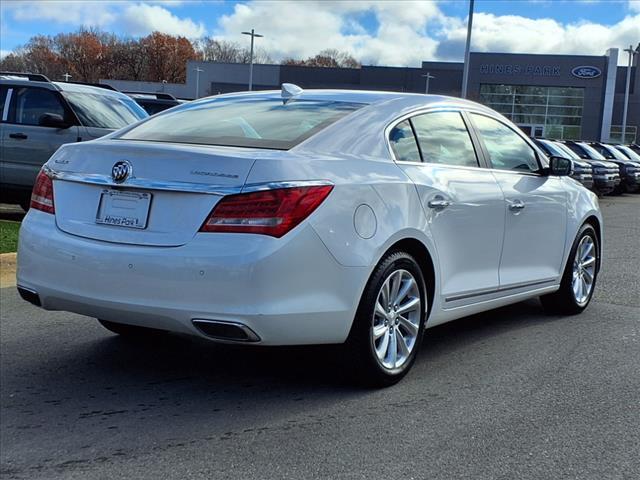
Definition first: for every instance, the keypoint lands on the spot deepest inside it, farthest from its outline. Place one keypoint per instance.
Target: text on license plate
(123, 209)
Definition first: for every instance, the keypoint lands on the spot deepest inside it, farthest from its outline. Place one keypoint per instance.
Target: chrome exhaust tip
(29, 295)
(226, 331)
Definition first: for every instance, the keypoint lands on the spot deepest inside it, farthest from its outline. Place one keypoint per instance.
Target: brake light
(42, 195)
(269, 212)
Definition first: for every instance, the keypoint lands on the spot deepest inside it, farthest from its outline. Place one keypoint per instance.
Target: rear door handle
(516, 206)
(438, 202)
(19, 136)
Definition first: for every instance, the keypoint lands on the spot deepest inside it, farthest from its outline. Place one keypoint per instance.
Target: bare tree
(326, 58)
(223, 51)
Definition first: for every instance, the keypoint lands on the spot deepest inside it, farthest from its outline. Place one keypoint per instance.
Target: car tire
(374, 350)
(582, 265)
(128, 330)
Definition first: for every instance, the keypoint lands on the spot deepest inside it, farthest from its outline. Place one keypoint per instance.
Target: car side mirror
(560, 166)
(53, 120)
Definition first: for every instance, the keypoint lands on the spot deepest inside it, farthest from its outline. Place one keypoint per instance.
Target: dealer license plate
(123, 209)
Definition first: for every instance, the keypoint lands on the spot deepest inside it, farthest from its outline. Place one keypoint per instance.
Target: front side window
(403, 143)
(104, 110)
(444, 139)
(507, 150)
(259, 122)
(30, 104)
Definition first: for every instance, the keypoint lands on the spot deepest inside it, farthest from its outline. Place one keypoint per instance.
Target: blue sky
(376, 32)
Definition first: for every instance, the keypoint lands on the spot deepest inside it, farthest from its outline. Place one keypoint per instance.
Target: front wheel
(388, 327)
(579, 278)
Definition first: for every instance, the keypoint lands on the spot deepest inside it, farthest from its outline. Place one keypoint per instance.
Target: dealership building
(554, 96)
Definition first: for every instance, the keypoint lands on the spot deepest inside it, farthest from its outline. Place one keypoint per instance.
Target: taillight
(42, 195)
(269, 212)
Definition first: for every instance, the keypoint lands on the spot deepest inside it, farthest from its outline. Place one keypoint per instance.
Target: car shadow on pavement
(173, 358)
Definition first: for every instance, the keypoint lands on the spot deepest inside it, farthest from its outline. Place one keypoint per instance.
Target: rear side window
(403, 143)
(242, 122)
(507, 150)
(444, 139)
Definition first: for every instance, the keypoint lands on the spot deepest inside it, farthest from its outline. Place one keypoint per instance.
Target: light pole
(465, 73)
(253, 35)
(631, 53)
(67, 77)
(428, 76)
(198, 70)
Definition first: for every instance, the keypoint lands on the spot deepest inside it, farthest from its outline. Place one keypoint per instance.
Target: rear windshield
(242, 122)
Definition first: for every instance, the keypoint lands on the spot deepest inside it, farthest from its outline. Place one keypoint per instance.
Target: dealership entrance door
(535, 131)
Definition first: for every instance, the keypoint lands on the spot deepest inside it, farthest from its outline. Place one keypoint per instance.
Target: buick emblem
(121, 171)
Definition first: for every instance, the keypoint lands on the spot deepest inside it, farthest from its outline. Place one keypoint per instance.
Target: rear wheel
(389, 323)
(579, 278)
(128, 330)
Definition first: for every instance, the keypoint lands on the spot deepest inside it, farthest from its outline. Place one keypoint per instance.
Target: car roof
(356, 96)
(57, 86)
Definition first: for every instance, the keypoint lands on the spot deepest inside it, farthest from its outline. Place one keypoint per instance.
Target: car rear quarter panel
(375, 183)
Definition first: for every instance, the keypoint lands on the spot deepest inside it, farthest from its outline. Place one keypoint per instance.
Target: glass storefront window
(555, 110)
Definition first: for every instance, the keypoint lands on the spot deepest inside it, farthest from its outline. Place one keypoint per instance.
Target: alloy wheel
(396, 319)
(584, 270)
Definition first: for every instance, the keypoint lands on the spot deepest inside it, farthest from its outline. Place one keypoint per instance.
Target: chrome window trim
(391, 125)
(7, 102)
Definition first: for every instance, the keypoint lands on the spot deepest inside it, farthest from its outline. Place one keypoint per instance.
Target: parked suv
(606, 175)
(629, 170)
(154, 102)
(39, 115)
(581, 170)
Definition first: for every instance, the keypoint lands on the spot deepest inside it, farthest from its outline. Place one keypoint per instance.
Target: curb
(7, 269)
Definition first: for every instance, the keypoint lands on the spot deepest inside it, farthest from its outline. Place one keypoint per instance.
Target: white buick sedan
(309, 217)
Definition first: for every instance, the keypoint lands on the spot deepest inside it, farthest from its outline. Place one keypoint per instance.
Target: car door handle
(516, 206)
(438, 202)
(19, 136)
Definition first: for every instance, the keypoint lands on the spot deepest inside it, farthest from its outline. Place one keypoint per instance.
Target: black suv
(629, 170)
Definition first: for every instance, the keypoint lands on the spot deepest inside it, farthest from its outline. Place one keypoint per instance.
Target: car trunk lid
(167, 196)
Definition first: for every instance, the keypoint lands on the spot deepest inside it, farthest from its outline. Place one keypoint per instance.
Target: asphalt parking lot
(509, 394)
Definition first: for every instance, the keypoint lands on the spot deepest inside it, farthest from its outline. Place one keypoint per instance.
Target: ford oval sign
(585, 71)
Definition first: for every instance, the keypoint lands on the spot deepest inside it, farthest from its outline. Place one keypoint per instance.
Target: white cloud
(95, 13)
(302, 29)
(403, 33)
(142, 18)
(515, 34)
(138, 18)
(418, 31)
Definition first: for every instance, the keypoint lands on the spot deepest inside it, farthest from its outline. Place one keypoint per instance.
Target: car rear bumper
(287, 291)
